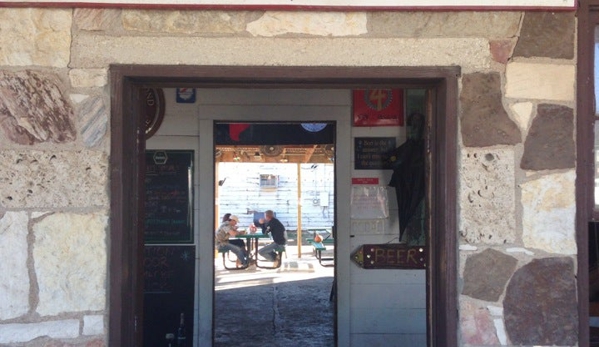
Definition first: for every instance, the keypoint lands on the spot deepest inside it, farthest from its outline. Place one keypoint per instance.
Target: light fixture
(236, 157)
(257, 156)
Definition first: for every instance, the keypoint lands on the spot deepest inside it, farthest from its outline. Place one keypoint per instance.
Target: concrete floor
(284, 307)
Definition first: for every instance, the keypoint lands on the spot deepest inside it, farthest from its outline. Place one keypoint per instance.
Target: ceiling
(275, 154)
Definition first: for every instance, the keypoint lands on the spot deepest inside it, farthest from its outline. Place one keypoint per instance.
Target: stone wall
(516, 182)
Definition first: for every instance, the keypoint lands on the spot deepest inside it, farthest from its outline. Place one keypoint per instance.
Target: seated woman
(226, 230)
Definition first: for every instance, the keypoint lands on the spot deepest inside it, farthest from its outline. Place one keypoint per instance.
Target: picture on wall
(378, 107)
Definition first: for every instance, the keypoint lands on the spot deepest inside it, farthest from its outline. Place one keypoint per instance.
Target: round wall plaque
(153, 108)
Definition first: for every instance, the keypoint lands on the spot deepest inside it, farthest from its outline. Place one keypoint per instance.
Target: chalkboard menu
(169, 197)
(372, 153)
(169, 284)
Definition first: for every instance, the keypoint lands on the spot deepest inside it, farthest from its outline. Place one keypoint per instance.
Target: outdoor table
(252, 239)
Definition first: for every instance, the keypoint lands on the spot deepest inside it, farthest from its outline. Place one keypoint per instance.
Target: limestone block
(476, 325)
(59, 329)
(99, 51)
(53, 179)
(70, 262)
(540, 81)
(33, 108)
(87, 78)
(14, 287)
(97, 19)
(540, 304)
(188, 22)
(78, 98)
(522, 114)
(444, 24)
(35, 36)
(93, 325)
(274, 23)
(547, 34)
(548, 205)
(484, 120)
(93, 119)
(487, 196)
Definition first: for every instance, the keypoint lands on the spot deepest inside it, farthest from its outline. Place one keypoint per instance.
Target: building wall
(516, 150)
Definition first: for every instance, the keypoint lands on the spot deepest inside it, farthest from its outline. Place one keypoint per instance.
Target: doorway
(127, 147)
(287, 167)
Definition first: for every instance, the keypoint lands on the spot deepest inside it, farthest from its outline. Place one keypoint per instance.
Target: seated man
(270, 224)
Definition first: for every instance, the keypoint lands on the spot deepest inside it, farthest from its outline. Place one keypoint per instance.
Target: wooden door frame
(126, 161)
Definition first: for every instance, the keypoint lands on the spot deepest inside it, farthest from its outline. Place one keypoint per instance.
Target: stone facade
(516, 180)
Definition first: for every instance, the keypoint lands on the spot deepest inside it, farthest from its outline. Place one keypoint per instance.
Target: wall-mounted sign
(333, 4)
(169, 197)
(169, 277)
(186, 95)
(369, 202)
(390, 256)
(378, 107)
(365, 180)
(372, 153)
(153, 107)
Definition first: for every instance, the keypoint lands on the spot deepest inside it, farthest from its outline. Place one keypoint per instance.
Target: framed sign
(378, 107)
(169, 197)
(372, 153)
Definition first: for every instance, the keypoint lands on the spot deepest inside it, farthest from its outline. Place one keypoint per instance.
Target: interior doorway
(287, 167)
(127, 147)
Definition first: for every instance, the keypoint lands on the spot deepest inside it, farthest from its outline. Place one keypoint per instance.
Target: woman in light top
(226, 230)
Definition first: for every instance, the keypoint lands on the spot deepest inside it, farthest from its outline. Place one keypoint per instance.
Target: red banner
(378, 107)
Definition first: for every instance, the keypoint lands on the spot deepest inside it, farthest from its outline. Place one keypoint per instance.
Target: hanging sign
(390, 256)
(315, 4)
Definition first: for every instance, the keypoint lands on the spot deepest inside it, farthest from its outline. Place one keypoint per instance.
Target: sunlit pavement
(288, 306)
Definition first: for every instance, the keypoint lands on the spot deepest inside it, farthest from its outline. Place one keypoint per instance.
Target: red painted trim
(283, 7)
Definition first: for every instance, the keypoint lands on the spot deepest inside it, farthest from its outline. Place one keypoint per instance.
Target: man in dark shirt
(272, 225)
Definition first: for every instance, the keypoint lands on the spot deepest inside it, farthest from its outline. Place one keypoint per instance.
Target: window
(269, 181)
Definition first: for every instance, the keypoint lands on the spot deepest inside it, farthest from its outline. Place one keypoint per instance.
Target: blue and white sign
(186, 95)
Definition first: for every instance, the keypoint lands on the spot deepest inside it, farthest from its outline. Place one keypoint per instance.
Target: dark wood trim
(125, 291)
(126, 245)
(584, 161)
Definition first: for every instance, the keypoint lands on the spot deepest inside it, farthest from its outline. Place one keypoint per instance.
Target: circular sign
(153, 109)
(314, 127)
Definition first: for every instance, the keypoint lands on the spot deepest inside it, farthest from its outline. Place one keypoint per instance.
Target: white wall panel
(387, 340)
(388, 320)
(388, 296)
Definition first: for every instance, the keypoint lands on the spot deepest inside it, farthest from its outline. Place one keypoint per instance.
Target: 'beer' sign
(390, 256)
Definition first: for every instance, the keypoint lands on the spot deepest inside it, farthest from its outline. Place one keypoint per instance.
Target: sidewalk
(288, 306)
